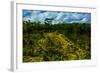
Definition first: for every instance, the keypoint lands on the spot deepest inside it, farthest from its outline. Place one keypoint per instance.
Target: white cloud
(26, 18)
(59, 16)
(84, 20)
(75, 16)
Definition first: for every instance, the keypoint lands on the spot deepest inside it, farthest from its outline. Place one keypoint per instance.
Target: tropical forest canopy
(56, 42)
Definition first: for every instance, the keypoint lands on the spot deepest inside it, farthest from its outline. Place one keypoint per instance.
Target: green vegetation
(58, 42)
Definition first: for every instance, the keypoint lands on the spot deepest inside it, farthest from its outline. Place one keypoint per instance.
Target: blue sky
(57, 16)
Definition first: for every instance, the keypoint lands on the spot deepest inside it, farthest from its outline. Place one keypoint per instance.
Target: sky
(56, 16)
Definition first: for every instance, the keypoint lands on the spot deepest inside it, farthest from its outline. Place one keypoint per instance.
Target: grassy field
(58, 42)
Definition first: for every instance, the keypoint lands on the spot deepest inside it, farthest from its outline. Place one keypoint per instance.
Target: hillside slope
(55, 46)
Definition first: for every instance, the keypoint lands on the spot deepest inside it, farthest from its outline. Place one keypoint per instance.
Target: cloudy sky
(56, 16)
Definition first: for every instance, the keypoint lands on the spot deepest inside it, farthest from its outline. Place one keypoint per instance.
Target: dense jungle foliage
(56, 42)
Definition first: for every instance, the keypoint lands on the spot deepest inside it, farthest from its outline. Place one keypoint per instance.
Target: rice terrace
(56, 36)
